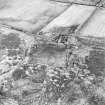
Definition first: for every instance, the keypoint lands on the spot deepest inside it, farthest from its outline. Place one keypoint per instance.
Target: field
(52, 52)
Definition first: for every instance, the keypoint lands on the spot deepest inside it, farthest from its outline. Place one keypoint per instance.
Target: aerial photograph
(52, 52)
